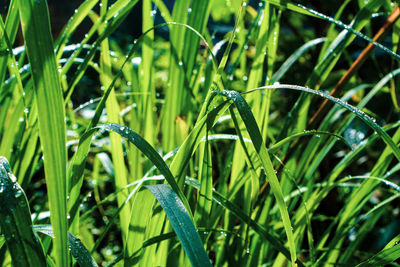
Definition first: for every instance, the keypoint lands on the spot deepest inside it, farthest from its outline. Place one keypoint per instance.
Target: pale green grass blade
(238, 212)
(176, 95)
(273, 148)
(146, 74)
(262, 153)
(290, 6)
(15, 220)
(39, 45)
(182, 223)
(203, 208)
(142, 209)
(294, 57)
(113, 110)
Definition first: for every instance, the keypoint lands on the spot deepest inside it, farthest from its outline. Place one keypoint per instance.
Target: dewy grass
(188, 150)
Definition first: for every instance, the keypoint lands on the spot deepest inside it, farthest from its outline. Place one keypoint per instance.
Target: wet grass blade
(386, 256)
(49, 100)
(262, 153)
(15, 220)
(78, 250)
(360, 114)
(146, 149)
(182, 223)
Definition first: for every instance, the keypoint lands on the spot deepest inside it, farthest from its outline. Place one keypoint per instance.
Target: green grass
(206, 146)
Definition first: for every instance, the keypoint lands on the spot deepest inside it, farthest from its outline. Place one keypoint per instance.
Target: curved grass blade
(146, 149)
(35, 23)
(360, 114)
(262, 153)
(350, 29)
(182, 224)
(277, 145)
(15, 220)
(382, 258)
(294, 57)
(78, 250)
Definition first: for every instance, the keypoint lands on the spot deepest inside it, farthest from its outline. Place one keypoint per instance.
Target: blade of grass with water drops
(182, 223)
(255, 136)
(15, 220)
(357, 112)
(39, 44)
(113, 110)
(78, 250)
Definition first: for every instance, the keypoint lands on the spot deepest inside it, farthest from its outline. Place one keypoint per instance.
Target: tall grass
(204, 141)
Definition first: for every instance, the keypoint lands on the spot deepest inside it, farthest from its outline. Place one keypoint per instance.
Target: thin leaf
(182, 224)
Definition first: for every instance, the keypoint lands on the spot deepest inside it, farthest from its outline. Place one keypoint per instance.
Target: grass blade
(78, 250)
(262, 153)
(49, 100)
(182, 224)
(16, 223)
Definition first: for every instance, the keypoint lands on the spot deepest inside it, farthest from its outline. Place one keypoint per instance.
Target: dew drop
(189, 10)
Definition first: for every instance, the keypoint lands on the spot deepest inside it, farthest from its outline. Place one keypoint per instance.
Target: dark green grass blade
(382, 258)
(39, 44)
(78, 250)
(182, 224)
(16, 223)
(360, 114)
(146, 149)
(262, 153)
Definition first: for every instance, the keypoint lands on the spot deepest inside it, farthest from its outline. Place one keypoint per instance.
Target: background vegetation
(203, 140)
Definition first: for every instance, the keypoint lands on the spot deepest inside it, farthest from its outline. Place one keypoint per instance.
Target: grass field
(230, 133)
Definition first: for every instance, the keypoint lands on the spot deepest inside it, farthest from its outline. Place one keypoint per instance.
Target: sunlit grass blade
(15, 220)
(142, 209)
(49, 100)
(182, 223)
(238, 212)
